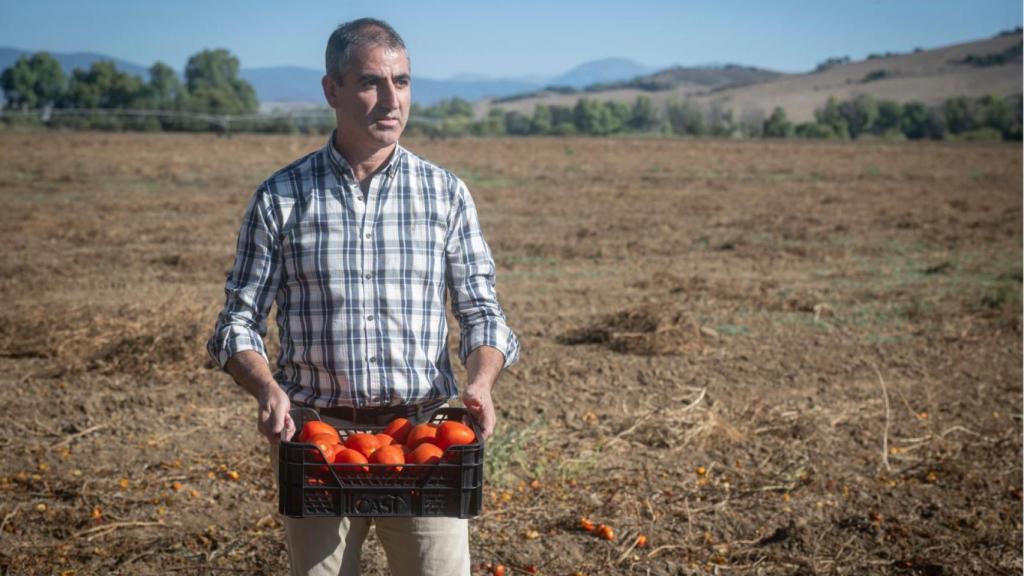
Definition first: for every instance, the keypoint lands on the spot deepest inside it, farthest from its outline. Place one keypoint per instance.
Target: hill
(71, 60)
(285, 86)
(990, 66)
(598, 71)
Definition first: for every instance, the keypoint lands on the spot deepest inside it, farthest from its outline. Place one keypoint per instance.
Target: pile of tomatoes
(400, 443)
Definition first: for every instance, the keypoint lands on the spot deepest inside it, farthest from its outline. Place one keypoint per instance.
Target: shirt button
(369, 318)
(368, 235)
(373, 359)
(361, 198)
(368, 276)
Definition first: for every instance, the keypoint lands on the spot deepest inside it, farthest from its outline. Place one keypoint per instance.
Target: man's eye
(402, 82)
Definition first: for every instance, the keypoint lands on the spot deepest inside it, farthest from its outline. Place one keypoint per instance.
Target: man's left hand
(477, 400)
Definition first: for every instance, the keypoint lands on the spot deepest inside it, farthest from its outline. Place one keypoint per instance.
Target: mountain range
(296, 86)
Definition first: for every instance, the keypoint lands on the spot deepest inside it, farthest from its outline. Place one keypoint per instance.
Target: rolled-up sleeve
(471, 283)
(251, 285)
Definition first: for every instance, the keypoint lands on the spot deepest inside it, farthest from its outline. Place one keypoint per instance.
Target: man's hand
(273, 416)
(483, 365)
(478, 402)
(250, 371)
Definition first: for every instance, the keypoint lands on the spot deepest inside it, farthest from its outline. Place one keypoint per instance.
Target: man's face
(371, 103)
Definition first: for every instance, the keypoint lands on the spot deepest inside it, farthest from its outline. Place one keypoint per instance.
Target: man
(360, 244)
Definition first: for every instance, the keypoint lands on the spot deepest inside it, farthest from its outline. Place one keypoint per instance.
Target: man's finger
(289, 427)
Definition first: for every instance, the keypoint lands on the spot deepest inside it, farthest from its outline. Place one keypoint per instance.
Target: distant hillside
(70, 61)
(710, 77)
(296, 85)
(990, 66)
(600, 71)
(931, 76)
(679, 78)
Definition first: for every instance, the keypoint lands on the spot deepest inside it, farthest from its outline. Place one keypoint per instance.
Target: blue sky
(508, 39)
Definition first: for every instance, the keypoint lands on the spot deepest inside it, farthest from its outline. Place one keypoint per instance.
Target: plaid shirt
(361, 281)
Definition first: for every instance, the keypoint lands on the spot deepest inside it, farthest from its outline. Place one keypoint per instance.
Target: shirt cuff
(494, 334)
(231, 341)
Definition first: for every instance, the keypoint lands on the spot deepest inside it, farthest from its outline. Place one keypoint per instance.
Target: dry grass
(702, 323)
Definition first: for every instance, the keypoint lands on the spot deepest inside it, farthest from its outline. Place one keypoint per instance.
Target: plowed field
(766, 357)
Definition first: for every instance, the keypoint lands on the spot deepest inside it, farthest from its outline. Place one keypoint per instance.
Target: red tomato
(398, 429)
(364, 443)
(451, 433)
(421, 433)
(392, 455)
(425, 453)
(314, 427)
(349, 456)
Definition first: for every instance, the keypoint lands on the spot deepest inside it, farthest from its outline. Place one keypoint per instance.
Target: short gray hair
(351, 36)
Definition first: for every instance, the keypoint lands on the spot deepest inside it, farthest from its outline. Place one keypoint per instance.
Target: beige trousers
(414, 546)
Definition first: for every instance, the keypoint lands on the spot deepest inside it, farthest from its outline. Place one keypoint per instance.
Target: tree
(517, 123)
(540, 123)
(493, 125)
(643, 117)
(614, 117)
(914, 120)
(720, 120)
(814, 131)
(561, 115)
(959, 114)
(830, 62)
(918, 121)
(995, 113)
(686, 117)
(214, 86)
(36, 81)
(587, 116)
(831, 116)
(890, 115)
(18, 83)
(450, 108)
(103, 86)
(776, 126)
(859, 114)
(164, 86)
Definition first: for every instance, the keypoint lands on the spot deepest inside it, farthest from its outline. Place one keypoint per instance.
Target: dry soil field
(768, 358)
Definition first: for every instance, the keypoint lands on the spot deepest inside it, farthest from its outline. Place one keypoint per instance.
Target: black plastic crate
(452, 487)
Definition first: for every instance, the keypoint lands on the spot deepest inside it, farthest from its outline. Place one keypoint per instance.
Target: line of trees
(211, 86)
(212, 94)
(985, 118)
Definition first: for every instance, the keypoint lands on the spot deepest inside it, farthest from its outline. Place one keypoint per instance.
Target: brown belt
(380, 415)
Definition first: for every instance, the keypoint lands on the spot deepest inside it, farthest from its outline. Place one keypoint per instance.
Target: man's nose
(388, 95)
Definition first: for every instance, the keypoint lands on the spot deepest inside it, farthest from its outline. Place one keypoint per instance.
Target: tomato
(327, 444)
(384, 440)
(389, 455)
(364, 443)
(349, 456)
(314, 427)
(425, 453)
(451, 433)
(399, 429)
(421, 433)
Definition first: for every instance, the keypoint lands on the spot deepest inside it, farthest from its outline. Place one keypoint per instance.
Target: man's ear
(330, 90)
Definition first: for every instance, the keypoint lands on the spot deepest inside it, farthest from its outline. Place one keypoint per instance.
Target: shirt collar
(341, 166)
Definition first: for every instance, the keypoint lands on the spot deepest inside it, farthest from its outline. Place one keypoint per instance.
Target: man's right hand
(273, 416)
(250, 371)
